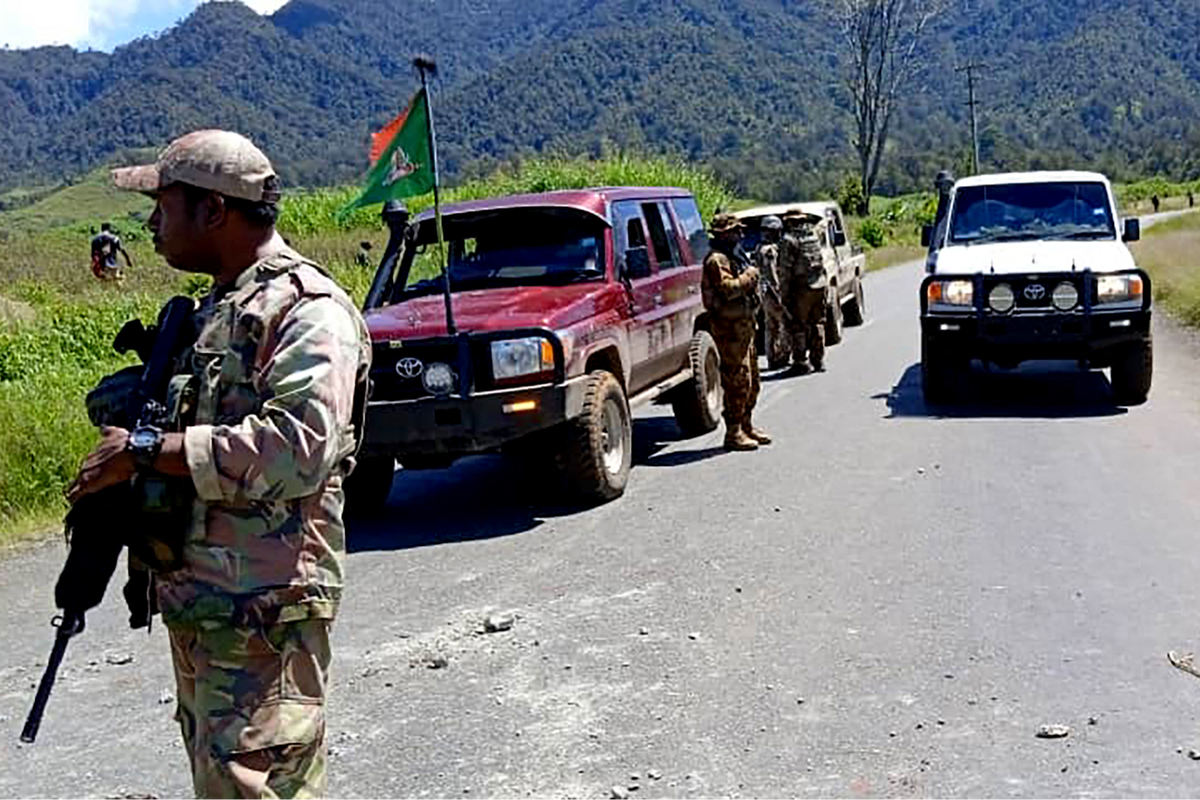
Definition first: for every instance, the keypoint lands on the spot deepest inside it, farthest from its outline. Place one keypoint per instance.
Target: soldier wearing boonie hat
(729, 289)
(278, 375)
(802, 286)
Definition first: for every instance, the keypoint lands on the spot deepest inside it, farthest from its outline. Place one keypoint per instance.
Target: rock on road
(885, 602)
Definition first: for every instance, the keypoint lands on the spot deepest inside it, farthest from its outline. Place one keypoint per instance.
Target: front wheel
(368, 486)
(855, 310)
(599, 444)
(833, 318)
(697, 403)
(1132, 372)
(937, 371)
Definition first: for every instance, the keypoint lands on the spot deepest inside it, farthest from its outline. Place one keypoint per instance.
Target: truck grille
(396, 371)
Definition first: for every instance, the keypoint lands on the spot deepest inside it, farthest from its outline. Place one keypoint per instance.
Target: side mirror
(926, 235)
(637, 263)
(1133, 230)
(839, 238)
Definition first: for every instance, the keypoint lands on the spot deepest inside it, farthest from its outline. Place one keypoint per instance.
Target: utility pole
(972, 103)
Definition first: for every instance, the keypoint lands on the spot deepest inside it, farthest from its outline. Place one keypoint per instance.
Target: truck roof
(779, 209)
(1060, 176)
(593, 201)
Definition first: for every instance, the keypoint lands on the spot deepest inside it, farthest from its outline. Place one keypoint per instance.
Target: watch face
(142, 437)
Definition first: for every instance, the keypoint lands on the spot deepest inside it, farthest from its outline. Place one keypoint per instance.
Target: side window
(665, 250)
(837, 234)
(693, 226)
(629, 234)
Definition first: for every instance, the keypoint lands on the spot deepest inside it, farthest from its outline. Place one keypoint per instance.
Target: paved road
(886, 602)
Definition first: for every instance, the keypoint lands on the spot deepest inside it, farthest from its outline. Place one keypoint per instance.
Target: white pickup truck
(1034, 265)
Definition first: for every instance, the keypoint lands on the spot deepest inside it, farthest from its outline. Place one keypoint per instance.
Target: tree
(881, 39)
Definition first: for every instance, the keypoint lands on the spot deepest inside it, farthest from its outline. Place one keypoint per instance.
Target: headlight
(438, 379)
(1065, 296)
(951, 293)
(1002, 299)
(514, 358)
(1119, 289)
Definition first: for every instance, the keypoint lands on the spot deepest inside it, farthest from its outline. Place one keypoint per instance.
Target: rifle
(774, 292)
(96, 525)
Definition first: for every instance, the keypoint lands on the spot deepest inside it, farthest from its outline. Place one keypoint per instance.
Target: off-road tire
(595, 466)
(855, 310)
(368, 486)
(833, 319)
(697, 403)
(1132, 373)
(937, 372)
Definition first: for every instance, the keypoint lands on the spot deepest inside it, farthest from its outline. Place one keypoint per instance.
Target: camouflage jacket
(280, 359)
(766, 258)
(725, 288)
(801, 262)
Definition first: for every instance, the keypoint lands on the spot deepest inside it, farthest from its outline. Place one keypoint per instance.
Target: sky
(98, 24)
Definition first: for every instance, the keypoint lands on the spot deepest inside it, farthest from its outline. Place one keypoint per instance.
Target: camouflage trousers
(251, 704)
(807, 326)
(739, 368)
(778, 343)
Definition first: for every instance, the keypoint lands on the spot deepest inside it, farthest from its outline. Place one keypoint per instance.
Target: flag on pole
(401, 158)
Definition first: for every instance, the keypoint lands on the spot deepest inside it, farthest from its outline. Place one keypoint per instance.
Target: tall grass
(1168, 253)
(50, 362)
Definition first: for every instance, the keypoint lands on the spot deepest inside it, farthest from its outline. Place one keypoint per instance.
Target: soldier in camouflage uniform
(766, 258)
(729, 288)
(803, 283)
(277, 379)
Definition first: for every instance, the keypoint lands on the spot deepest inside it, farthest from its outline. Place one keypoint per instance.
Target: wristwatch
(145, 443)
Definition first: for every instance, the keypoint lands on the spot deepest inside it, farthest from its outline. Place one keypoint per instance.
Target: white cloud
(95, 23)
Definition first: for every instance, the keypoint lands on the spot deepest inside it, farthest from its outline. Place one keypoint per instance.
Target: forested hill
(751, 87)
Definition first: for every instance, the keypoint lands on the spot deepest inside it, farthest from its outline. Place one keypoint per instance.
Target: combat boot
(757, 434)
(799, 368)
(737, 440)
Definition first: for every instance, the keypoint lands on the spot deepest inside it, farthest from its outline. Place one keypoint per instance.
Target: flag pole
(427, 67)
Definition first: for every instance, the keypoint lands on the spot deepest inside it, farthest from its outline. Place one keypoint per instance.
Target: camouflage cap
(724, 222)
(220, 161)
(771, 223)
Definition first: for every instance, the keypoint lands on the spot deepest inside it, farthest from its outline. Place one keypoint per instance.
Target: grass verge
(1169, 253)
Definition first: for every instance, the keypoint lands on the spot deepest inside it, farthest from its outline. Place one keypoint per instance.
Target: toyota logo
(409, 367)
(1035, 291)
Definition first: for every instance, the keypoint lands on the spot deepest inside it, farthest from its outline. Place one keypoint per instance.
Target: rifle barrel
(70, 624)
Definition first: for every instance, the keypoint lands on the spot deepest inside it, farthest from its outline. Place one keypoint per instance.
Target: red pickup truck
(564, 310)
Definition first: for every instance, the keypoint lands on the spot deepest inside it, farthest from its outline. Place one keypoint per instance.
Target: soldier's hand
(108, 464)
(750, 276)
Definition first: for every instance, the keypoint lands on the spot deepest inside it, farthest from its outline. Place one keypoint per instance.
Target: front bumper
(1089, 332)
(481, 422)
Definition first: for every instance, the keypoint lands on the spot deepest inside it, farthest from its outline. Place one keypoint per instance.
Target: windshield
(510, 247)
(1019, 211)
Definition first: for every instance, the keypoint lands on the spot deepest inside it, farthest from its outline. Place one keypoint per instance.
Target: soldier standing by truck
(277, 380)
(729, 288)
(766, 258)
(803, 283)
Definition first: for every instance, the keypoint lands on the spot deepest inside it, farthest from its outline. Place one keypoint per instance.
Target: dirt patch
(14, 312)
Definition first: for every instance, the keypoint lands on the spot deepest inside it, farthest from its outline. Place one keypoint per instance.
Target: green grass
(1168, 254)
(57, 321)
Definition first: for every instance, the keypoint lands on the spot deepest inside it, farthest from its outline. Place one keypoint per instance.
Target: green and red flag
(401, 161)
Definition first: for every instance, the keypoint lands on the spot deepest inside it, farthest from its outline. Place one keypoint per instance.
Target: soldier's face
(181, 235)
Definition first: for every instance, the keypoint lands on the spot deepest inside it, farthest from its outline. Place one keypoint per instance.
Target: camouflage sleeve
(725, 283)
(303, 430)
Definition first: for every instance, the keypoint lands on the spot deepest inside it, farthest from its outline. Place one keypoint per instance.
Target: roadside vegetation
(57, 321)
(1168, 253)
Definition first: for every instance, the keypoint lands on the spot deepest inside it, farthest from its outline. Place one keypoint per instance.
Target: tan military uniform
(729, 298)
(279, 359)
